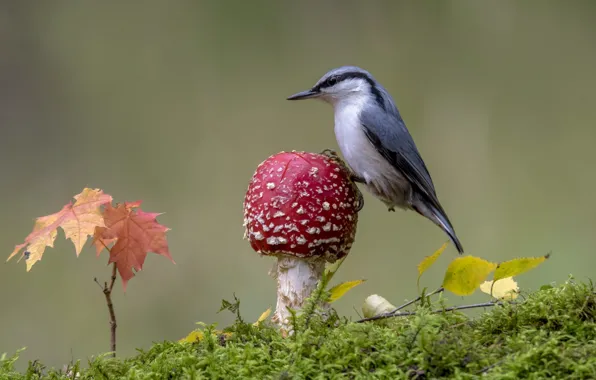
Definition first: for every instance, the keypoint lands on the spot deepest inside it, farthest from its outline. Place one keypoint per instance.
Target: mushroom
(303, 209)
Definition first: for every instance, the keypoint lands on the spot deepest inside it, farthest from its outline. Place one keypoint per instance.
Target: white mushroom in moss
(301, 208)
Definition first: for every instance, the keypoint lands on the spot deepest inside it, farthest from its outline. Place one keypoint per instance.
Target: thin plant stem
(453, 308)
(107, 292)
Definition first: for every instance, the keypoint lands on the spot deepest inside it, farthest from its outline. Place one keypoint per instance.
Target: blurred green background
(176, 103)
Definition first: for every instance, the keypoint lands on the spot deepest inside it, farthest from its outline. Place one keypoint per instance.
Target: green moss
(552, 334)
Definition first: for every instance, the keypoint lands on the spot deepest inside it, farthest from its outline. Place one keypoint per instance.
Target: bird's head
(344, 83)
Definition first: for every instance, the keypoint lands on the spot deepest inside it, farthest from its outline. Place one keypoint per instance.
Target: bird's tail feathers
(439, 217)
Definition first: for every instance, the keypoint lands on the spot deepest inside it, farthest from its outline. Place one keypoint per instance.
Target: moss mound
(551, 334)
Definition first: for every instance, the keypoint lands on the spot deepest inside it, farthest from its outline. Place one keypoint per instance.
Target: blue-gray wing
(388, 133)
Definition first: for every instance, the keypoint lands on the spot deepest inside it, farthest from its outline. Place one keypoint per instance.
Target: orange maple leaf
(135, 234)
(78, 221)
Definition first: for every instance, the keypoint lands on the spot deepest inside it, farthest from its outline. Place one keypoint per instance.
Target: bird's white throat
(357, 150)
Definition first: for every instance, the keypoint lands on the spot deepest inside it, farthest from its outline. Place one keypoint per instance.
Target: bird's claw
(357, 179)
(353, 177)
(391, 209)
(360, 204)
(330, 153)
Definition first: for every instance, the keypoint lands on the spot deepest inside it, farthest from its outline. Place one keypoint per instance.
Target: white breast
(357, 150)
(382, 178)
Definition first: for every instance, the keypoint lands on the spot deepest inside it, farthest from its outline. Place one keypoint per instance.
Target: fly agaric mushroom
(301, 208)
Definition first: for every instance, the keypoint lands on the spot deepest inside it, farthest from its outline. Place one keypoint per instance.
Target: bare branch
(453, 308)
(439, 290)
(107, 292)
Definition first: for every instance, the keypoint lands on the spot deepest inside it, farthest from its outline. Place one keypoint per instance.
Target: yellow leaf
(505, 289)
(516, 267)
(465, 274)
(339, 290)
(194, 336)
(375, 305)
(429, 260)
(263, 316)
(333, 268)
(198, 335)
(78, 221)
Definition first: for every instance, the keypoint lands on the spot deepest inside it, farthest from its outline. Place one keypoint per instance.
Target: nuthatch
(376, 144)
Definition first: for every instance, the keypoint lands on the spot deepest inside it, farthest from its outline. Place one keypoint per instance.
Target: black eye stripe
(334, 79)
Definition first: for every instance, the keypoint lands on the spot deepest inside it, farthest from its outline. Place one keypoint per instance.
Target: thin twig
(107, 292)
(439, 290)
(489, 367)
(453, 308)
(113, 279)
(98, 284)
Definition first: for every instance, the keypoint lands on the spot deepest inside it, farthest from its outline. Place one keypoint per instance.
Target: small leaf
(263, 316)
(504, 289)
(78, 221)
(516, 267)
(465, 274)
(375, 305)
(194, 336)
(340, 290)
(429, 260)
(333, 268)
(135, 233)
(546, 287)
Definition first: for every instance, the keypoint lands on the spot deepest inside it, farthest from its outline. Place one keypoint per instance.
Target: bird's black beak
(305, 95)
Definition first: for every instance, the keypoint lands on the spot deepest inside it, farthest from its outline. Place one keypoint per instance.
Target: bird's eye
(331, 81)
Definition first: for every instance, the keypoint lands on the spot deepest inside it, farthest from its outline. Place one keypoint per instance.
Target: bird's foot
(391, 208)
(334, 156)
(353, 176)
(360, 204)
(331, 154)
(357, 179)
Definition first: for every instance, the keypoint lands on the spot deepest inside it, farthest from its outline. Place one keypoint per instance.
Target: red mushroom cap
(301, 204)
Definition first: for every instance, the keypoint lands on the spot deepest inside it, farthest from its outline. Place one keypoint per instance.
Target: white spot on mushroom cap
(313, 230)
(279, 214)
(325, 205)
(300, 210)
(326, 241)
(291, 227)
(301, 240)
(258, 235)
(276, 240)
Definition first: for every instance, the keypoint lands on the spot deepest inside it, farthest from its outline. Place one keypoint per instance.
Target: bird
(377, 146)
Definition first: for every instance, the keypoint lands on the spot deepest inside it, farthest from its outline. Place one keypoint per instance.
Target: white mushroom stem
(297, 278)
